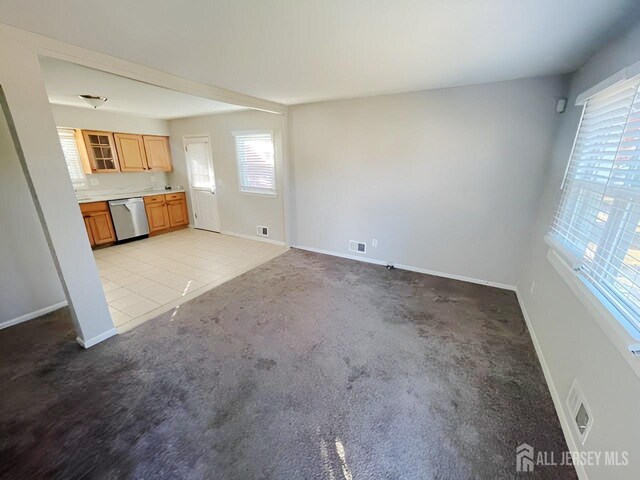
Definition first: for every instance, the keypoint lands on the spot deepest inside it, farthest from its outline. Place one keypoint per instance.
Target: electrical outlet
(153, 179)
(94, 182)
(374, 242)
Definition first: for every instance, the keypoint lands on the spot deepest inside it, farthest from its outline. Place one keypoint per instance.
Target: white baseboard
(462, 278)
(30, 316)
(410, 268)
(252, 237)
(97, 339)
(342, 255)
(557, 401)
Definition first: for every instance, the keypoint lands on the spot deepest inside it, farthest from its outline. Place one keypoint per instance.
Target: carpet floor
(307, 367)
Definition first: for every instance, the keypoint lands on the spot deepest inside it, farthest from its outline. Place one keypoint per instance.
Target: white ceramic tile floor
(148, 277)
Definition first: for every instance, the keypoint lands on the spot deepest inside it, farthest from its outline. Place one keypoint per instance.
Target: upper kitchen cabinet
(108, 152)
(101, 151)
(158, 153)
(131, 152)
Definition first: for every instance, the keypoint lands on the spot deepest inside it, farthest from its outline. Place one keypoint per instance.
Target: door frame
(185, 141)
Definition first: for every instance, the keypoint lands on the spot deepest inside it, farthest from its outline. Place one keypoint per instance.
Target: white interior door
(202, 183)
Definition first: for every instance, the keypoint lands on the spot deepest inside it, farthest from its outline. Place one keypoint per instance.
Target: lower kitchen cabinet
(157, 216)
(166, 212)
(177, 212)
(97, 220)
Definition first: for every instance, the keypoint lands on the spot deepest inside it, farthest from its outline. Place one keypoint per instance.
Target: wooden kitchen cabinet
(108, 152)
(177, 208)
(157, 213)
(97, 221)
(131, 152)
(102, 228)
(101, 151)
(158, 153)
(166, 212)
(87, 225)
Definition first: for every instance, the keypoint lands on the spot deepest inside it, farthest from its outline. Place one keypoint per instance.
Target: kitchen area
(143, 191)
(125, 215)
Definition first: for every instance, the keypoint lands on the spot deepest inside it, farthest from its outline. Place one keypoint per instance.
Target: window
(598, 222)
(72, 156)
(256, 167)
(199, 163)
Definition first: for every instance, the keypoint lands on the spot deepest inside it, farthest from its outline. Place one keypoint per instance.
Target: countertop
(104, 197)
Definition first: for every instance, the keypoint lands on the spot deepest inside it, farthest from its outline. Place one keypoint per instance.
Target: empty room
(293, 239)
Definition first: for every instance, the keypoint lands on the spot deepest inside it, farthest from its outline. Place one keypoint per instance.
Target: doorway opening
(155, 175)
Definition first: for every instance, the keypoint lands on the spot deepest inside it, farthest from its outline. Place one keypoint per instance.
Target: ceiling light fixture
(93, 100)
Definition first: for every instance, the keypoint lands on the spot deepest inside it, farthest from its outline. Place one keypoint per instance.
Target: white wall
(446, 180)
(239, 212)
(29, 281)
(93, 119)
(572, 343)
(33, 284)
(60, 219)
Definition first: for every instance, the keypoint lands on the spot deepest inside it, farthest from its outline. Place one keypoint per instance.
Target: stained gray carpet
(308, 367)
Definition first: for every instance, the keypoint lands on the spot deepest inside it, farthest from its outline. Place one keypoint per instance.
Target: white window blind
(71, 155)
(598, 222)
(256, 167)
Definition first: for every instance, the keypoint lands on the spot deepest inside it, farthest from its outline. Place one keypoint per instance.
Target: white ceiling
(294, 51)
(65, 81)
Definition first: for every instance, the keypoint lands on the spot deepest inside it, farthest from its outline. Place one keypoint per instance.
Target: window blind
(598, 221)
(256, 167)
(71, 155)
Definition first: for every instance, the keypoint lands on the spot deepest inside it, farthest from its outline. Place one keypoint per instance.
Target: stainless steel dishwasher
(129, 218)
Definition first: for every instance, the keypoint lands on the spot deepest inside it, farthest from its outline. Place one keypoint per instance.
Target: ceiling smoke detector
(93, 100)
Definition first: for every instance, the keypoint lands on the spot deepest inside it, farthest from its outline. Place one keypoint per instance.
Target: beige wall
(573, 344)
(239, 212)
(445, 180)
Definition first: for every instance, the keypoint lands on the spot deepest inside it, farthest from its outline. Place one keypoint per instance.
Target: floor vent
(579, 411)
(358, 247)
(262, 231)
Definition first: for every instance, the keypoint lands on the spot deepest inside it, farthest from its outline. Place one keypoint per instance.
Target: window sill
(623, 335)
(260, 194)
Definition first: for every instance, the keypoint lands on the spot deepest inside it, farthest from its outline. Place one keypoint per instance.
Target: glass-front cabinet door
(101, 150)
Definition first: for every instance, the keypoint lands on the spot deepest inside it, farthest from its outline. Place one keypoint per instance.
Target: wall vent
(579, 412)
(262, 231)
(358, 247)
